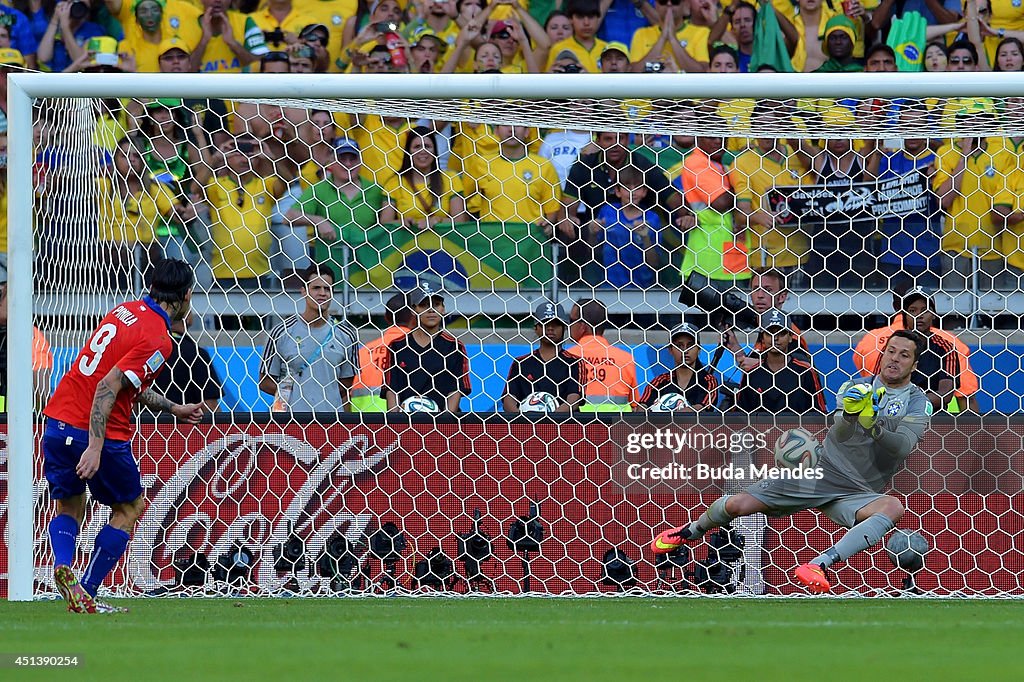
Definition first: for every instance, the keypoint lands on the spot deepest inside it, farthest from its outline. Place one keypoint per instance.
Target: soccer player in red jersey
(88, 428)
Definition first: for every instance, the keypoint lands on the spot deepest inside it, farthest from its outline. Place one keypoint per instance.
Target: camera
(570, 68)
(191, 571)
(79, 10)
(725, 309)
(723, 569)
(274, 37)
(436, 571)
(654, 67)
(235, 566)
(340, 563)
(385, 27)
(290, 554)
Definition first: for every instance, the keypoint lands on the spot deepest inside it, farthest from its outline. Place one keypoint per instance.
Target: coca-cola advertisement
(501, 506)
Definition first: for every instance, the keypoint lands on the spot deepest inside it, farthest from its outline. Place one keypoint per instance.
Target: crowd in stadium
(253, 194)
(256, 192)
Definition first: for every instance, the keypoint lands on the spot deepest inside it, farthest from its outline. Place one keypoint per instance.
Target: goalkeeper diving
(875, 427)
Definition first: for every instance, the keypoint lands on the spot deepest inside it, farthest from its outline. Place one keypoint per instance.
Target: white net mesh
(821, 209)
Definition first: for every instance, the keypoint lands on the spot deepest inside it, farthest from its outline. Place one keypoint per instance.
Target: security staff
(367, 385)
(609, 373)
(944, 371)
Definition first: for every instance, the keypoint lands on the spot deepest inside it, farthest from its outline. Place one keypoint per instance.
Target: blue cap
(345, 145)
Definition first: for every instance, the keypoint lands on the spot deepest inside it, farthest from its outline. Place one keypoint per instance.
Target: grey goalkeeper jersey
(853, 460)
(316, 359)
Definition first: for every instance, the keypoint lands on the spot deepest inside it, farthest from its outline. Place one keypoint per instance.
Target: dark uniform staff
(784, 380)
(428, 361)
(689, 378)
(548, 368)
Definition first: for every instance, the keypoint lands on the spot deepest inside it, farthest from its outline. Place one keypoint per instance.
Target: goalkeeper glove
(869, 414)
(857, 398)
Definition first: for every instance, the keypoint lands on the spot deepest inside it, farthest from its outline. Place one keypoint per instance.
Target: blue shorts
(117, 481)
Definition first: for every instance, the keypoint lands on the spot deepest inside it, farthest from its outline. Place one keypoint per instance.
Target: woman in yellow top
(131, 205)
(421, 195)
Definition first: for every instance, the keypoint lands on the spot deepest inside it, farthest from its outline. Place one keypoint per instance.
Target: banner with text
(215, 489)
(858, 202)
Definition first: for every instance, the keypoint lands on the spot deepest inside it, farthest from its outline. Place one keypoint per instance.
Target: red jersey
(134, 337)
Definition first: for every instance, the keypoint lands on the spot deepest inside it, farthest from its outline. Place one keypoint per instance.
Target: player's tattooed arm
(155, 401)
(103, 402)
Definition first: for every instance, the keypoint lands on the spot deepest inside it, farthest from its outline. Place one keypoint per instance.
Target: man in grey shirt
(310, 360)
(874, 428)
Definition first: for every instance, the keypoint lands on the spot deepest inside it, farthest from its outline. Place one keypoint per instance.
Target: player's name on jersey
(728, 472)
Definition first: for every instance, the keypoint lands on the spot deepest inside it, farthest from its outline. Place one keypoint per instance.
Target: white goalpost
(645, 104)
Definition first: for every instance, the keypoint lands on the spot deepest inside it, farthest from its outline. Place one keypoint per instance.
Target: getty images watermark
(702, 456)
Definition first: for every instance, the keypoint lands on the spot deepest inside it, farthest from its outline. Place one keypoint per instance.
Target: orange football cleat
(669, 540)
(813, 578)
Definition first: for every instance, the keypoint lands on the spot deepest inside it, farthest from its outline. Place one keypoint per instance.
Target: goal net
(785, 238)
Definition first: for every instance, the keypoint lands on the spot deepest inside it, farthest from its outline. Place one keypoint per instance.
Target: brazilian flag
(472, 255)
(907, 40)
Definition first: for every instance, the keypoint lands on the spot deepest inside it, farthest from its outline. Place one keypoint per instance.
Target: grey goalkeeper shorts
(785, 497)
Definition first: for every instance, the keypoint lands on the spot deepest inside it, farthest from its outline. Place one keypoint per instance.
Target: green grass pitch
(525, 639)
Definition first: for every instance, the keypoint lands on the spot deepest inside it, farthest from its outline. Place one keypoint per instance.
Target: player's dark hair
(319, 270)
(724, 49)
(920, 344)
(594, 313)
(171, 281)
(434, 177)
(458, 6)
(398, 311)
(554, 15)
(907, 293)
(774, 273)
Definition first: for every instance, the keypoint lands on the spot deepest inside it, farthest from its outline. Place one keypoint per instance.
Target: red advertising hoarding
(213, 487)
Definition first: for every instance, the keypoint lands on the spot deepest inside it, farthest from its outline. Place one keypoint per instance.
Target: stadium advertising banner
(859, 202)
(279, 508)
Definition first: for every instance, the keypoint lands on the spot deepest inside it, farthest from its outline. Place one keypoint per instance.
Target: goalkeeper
(874, 429)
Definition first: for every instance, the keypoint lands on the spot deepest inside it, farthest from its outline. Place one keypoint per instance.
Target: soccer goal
(659, 212)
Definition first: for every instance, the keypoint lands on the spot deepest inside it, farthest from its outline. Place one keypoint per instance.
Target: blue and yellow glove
(862, 401)
(857, 398)
(869, 415)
